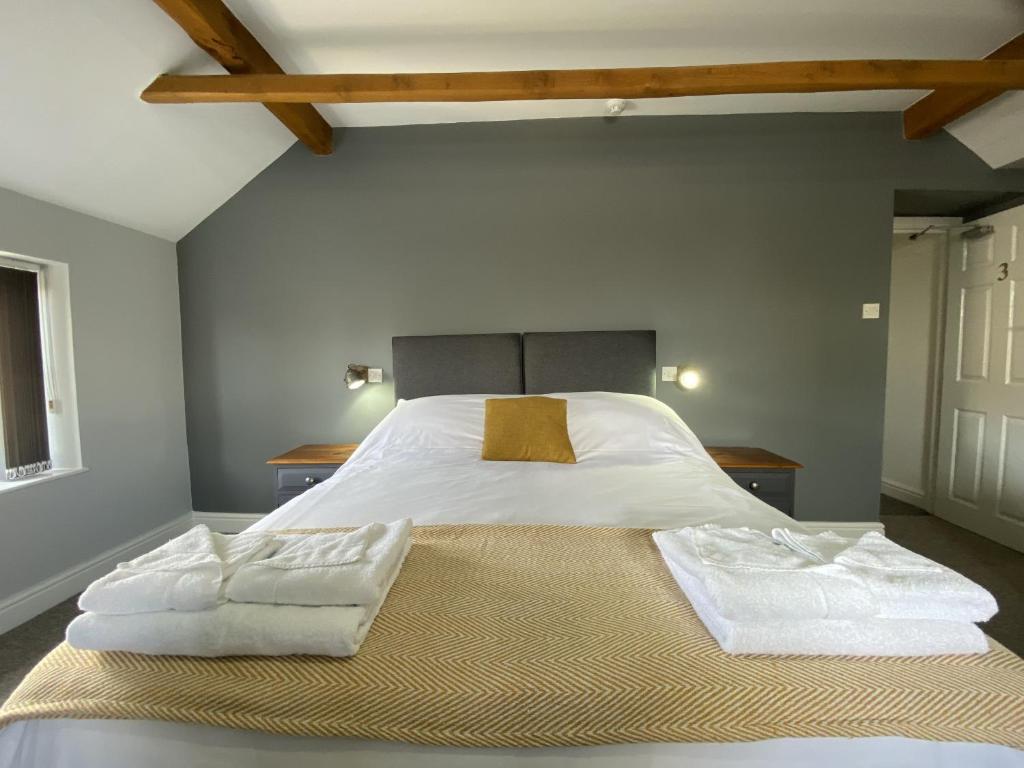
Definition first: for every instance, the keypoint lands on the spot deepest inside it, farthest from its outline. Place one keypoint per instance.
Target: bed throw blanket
(519, 636)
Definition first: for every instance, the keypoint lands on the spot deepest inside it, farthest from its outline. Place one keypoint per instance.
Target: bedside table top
(749, 458)
(727, 457)
(317, 454)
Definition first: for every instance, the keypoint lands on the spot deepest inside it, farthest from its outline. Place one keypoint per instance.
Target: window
(38, 414)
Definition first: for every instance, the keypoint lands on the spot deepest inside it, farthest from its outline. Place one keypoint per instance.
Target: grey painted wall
(747, 242)
(127, 347)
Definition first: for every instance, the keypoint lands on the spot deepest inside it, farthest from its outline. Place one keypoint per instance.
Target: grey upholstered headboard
(483, 363)
(534, 363)
(590, 361)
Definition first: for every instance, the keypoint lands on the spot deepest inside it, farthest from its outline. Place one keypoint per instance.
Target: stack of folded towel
(795, 593)
(265, 594)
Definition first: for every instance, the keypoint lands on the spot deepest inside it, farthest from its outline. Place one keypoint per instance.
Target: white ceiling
(73, 130)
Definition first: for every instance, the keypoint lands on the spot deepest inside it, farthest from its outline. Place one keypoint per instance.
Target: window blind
(22, 382)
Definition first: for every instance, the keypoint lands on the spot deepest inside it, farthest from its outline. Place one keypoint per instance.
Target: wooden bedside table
(301, 468)
(770, 477)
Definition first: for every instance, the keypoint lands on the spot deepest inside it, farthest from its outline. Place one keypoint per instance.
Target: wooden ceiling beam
(941, 107)
(638, 83)
(215, 29)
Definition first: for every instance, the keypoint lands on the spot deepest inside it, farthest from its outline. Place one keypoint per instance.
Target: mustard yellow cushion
(527, 429)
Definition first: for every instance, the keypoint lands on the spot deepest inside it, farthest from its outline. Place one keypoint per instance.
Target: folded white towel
(749, 577)
(319, 569)
(236, 550)
(185, 574)
(742, 549)
(232, 629)
(235, 629)
(904, 584)
(323, 550)
(829, 637)
(827, 546)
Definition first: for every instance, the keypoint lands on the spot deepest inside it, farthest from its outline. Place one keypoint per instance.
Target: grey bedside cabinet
(301, 468)
(770, 477)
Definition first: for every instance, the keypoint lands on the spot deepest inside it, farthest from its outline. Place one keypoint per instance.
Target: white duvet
(638, 465)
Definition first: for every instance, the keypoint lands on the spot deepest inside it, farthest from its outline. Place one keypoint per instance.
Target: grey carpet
(891, 506)
(997, 568)
(25, 645)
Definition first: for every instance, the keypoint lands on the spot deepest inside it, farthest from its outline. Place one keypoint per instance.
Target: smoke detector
(615, 107)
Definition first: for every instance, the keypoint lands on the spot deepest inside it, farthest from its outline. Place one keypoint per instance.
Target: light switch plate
(375, 375)
(871, 311)
(669, 373)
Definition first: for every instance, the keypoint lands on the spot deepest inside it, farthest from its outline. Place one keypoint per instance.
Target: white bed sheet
(146, 744)
(423, 462)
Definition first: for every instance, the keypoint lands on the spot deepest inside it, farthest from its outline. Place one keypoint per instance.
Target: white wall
(127, 350)
(914, 297)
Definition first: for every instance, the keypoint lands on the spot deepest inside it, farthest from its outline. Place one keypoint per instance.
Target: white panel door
(980, 479)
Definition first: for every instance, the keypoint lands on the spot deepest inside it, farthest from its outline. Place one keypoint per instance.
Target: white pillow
(600, 423)
(607, 422)
(448, 424)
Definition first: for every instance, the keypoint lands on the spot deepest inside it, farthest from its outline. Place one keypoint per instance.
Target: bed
(639, 466)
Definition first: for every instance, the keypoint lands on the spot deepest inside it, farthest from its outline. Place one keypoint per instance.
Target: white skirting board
(851, 530)
(28, 603)
(225, 522)
(905, 493)
(233, 522)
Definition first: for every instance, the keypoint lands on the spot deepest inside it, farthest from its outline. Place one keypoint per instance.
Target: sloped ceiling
(995, 131)
(74, 132)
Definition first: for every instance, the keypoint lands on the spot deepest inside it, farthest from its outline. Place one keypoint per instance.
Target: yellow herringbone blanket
(533, 636)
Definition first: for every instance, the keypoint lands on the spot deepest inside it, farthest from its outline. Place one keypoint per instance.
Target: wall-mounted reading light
(689, 378)
(357, 375)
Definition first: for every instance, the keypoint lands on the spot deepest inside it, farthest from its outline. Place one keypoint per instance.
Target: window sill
(9, 486)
